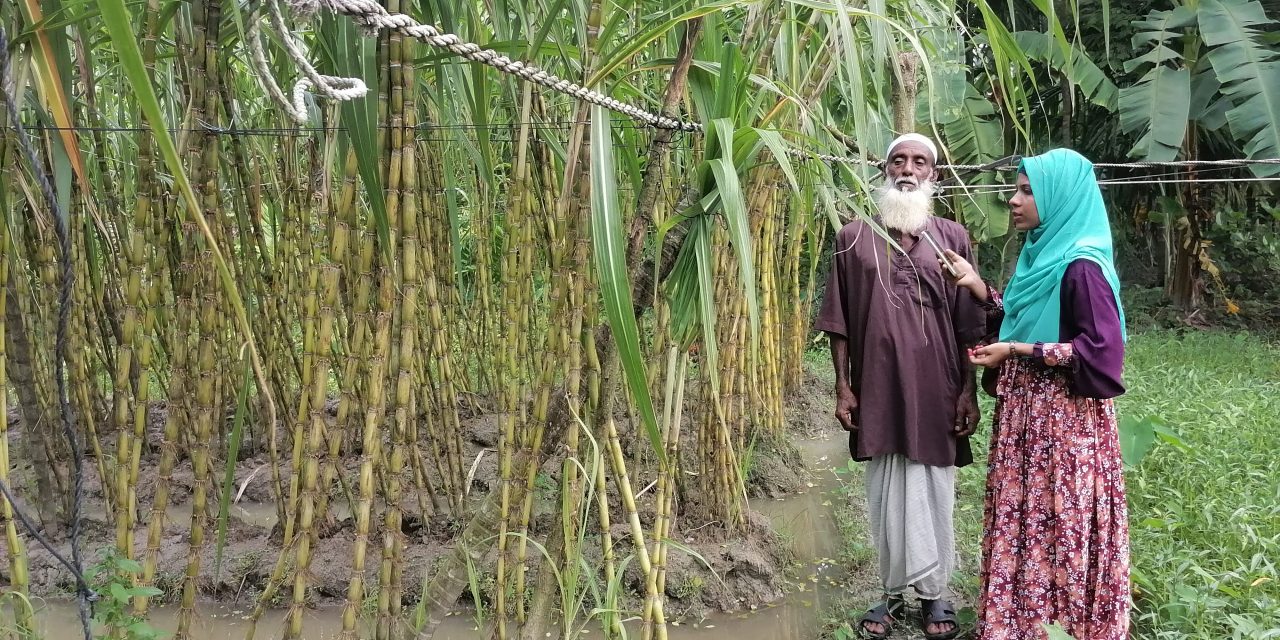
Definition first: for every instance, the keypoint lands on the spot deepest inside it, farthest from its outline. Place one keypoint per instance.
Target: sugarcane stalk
(19, 578)
(33, 402)
(134, 350)
(371, 458)
(654, 622)
(321, 307)
(673, 472)
(510, 391)
(200, 463)
(80, 346)
(613, 625)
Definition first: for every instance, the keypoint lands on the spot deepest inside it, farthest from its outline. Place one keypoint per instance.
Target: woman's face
(1023, 206)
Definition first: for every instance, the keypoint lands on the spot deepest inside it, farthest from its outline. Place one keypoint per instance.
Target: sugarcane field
(639, 319)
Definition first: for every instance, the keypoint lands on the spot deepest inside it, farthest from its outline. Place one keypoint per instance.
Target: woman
(1056, 539)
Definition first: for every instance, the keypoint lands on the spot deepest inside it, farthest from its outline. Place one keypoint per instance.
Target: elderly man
(905, 390)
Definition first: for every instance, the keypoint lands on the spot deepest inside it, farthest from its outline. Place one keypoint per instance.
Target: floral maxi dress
(1055, 546)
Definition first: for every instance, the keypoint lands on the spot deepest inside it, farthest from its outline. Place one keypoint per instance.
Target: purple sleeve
(968, 315)
(1091, 323)
(831, 315)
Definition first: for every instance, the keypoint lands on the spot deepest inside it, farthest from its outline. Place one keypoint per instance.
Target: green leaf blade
(1249, 71)
(1157, 107)
(734, 208)
(609, 254)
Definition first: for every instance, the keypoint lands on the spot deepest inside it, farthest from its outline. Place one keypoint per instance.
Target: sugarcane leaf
(734, 208)
(1009, 57)
(778, 147)
(353, 56)
(229, 473)
(634, 45)
(1058, 35)
(609, 252)
(707, 302)
(681, 286)
(52, 88)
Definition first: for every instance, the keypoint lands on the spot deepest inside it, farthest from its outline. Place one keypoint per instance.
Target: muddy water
(805, 519)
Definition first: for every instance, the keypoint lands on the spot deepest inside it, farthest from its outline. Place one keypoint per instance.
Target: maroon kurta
(1055, 544)
(904, 322)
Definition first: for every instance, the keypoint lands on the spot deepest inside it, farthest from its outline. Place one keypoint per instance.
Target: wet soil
(779, 580)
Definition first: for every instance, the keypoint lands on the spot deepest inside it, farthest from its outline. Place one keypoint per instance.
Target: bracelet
(1012, 352)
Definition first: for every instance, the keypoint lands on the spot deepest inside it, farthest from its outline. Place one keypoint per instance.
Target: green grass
(1204, 520)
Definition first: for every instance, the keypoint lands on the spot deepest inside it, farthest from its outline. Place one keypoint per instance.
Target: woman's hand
(966, 276)
(991, 355)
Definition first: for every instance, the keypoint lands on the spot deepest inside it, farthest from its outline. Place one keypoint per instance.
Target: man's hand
(967, 414)
(846, 404)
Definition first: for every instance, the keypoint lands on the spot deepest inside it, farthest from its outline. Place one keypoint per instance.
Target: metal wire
(563, 125)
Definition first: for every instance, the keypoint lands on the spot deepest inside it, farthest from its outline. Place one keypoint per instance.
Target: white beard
(905, 211)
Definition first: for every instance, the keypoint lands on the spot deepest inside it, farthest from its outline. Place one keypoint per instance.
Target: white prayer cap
(912, 137)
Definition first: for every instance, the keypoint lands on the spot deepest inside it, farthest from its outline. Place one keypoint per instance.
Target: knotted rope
(85, 595)
(372, 17)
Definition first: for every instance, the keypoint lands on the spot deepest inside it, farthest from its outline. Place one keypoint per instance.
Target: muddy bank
(749, 572)
(814, 584)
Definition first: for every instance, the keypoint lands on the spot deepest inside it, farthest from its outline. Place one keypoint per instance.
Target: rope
(1005, 188)
(333, 87)
(1236, 162)
(372, 16)
(1186, 163)
(85, 595)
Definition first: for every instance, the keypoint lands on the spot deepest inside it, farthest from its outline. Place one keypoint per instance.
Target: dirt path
(849, 546)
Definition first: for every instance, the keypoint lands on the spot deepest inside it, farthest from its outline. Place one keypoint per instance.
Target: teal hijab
(1073, 225)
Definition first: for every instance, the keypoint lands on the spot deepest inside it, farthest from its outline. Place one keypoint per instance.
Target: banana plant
(1083, 72)
(1248, 68)
(1207, 64)
(1158, 106)
(976, 136)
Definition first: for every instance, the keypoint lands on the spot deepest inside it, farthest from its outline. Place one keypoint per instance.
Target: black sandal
(938, 612)
(885, 614)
